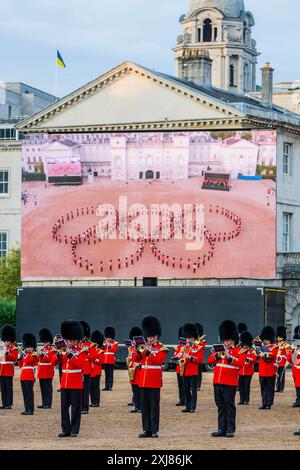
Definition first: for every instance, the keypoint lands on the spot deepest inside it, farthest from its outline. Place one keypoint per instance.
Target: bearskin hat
(281, 332)
(246, 339)
(8, 333)
(242, 327)
(268, 333)
(135, 331)
(29, 341)
(45, 336)
(110, 332)
(180, 332)
(297, 332)
(189, 330)
(86, 329)
(72, 330)
(228, 330)
(97, 337)
(200, 329)
(151, 326)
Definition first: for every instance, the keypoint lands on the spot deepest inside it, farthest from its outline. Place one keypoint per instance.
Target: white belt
(6, 362)
(151, 367)
(227, 366)
(27, 368)
(69, 371)
(108, 353)
(45, 364)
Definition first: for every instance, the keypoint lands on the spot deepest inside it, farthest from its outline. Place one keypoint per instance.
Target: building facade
(17, 101)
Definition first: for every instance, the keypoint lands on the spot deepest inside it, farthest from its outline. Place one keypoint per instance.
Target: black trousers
(28, 396)
(109, 375)
(71, 398)
(60, 372)
(199, 379)
(46, 392)
(298, 395)
(136, 396)
(267, 386)
(150, 404)
(180, 389)
(190, 391)
(86, 392)
(95, 390)
(280, 383)
(6, 386)
(225, 401)
(244, 388)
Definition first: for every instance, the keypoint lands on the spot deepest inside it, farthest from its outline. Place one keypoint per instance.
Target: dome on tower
(230, 8)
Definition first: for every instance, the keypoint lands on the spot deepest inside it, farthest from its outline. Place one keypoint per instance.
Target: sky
(94, 36)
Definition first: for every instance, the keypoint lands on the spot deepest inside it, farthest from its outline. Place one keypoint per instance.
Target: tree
(10, 274)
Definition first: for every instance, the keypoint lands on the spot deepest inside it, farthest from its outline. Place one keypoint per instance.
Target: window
(287, 158)
(7, 134)
(3, 182)
(3, 244)
(287, 231)
(215, 34)
(231, 73)
(199, 34)
(207, 30)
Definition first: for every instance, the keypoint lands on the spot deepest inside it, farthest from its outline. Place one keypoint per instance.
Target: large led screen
(154, 204)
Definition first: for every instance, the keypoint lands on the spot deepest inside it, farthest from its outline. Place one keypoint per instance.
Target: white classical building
(148, 155)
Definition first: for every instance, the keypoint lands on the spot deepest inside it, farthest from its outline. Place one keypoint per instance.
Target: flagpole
(56, 79)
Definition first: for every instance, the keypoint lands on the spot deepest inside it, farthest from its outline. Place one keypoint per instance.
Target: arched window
(207, 30)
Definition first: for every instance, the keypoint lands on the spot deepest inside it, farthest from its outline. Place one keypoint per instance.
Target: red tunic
(97, 364)
(266, 368)
(90, 356)
(295, 368)
(282, 354)
(226, 372)
(45, 367)
(135, 361)
(110, 350)
(151, 366)
(7, 368)
(250, 358)
(202, 344)
(191, 365)
(177, 355)
(72, 369)
(28, 365)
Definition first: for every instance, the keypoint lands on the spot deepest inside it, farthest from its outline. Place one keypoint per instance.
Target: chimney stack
(267, 84)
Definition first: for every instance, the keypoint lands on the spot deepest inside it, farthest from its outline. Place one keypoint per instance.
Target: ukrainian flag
(59, 60)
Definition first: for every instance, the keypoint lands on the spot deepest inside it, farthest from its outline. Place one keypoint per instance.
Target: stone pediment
(127, 95)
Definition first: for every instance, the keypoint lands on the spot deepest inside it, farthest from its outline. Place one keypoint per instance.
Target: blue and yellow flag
(59, 60)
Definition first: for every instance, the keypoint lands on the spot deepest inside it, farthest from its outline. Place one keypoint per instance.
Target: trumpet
(141, 348)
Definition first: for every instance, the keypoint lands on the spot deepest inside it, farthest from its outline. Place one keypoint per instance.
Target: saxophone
(132, 371)
(182, 361)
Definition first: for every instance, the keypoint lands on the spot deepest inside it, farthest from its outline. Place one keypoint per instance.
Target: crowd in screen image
(80, 356)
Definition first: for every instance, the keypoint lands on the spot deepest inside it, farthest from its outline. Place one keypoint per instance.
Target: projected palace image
(74, 227)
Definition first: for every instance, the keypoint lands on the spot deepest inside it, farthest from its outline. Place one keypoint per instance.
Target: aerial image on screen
(153, 204)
